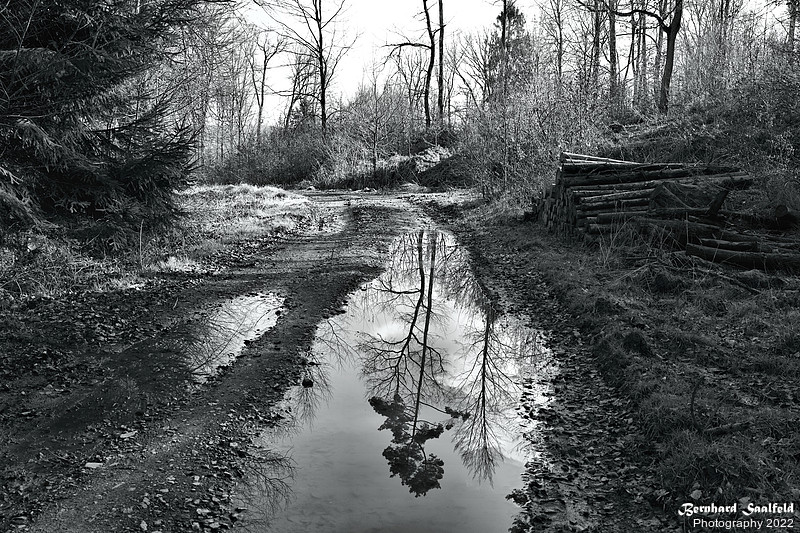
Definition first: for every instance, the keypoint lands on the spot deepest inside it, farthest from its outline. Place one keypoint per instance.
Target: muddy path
(137, 442)
(154, 419)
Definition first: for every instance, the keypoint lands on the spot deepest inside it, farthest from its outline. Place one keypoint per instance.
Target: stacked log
(593, 197)
(593, 194)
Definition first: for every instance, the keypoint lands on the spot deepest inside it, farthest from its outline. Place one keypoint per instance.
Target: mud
(109, 429)
(129, 445)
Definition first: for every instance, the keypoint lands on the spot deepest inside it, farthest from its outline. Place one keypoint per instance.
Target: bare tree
(431, 62)
(430, 49)
(554, 20)
(303, 91)
(267, 50)
(317, 38)
(440, 101)
(475, 75)
(598, 27)
(410, 69)
(612, 53)
(669, 30)
(794, 12)
(372, 112)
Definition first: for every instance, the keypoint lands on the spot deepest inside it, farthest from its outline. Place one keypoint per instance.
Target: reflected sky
(411, 423)
(217, 338)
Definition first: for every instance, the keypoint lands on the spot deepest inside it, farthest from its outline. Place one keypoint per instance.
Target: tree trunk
(322, 65)
(633, 58)
(612, 56)
(642, 57)
(669, 61)
(440, 100)
(431, 62)
(759, 260)
(793, 14)
(659, 54)
(596, 48)
(559, 42)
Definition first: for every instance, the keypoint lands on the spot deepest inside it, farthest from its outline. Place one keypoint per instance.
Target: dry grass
(219, 215)
(34, 264)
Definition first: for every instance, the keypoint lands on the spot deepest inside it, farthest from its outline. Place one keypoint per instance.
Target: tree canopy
(88, 123)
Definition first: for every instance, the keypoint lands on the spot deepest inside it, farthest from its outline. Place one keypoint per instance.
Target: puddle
(222, 334)
(184, 355)
(408, 417)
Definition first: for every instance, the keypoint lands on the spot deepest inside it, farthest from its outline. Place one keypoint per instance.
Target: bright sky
(378, 22)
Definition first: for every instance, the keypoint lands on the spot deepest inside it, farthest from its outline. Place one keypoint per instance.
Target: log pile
(593, 198)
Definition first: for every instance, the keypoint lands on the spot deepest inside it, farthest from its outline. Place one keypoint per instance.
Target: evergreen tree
(87, 127)
(510, 59)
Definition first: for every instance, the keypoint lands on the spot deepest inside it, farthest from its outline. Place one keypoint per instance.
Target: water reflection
(223, 334)
(267, 485)
(421, 356)
(301, 403)
(436, 359)
(149, 371)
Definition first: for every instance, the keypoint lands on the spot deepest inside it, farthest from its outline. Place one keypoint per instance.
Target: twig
(728, 428)
(141, 256)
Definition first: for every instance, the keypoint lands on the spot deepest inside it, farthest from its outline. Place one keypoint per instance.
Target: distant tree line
(106, 106)
(515, 94)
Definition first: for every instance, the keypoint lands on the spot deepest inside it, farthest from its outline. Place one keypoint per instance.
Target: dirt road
(117, 441)
(106, 428)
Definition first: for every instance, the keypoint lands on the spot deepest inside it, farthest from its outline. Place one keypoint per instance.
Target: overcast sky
(378, 22)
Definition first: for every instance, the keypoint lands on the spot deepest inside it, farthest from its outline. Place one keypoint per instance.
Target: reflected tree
(489, 389)
(407, 364)
(406, 455)
(265, 488)
(415, 370)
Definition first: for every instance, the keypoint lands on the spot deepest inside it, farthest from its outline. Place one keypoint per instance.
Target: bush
(516, 147)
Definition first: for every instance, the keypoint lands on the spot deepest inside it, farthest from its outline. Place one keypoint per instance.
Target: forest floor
(103, 428)
(679, 382)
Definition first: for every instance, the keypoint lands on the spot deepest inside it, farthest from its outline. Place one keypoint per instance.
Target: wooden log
(665, 212)
(663, 196)
(567, 156)
(612, 196)
(672, 194)
(759, 260)
(737, 246)
(640, 210)
(571, 171)
(639, 175)
(680, 231)
(736, 181)
(716, 203)
(785, 217)
(581, 192)
(605, 205)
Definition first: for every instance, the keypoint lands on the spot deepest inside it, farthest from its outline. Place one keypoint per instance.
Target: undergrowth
(708, 385)
(53, 263)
